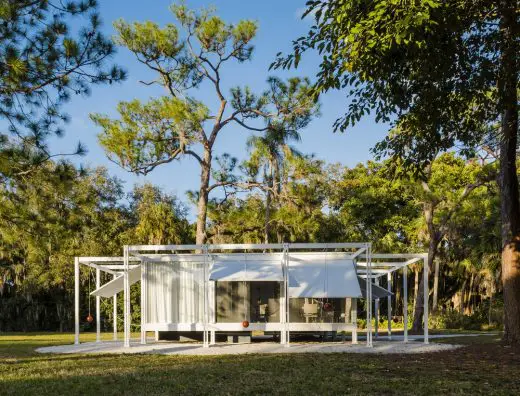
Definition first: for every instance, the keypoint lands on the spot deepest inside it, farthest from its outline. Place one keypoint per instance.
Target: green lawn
(483, 366)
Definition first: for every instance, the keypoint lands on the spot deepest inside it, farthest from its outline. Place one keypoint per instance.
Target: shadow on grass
(440, 373)
(484, 367)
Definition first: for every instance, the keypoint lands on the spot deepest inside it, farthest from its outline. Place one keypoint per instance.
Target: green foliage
(153, 133)
(193, 51)
(161, 218)
(66, 212)
(236, 221)
(373, 206)
(429, 68)
(48, 210)
(295, 207)
(169, 128)
(43, 63)
(483, 318)
(148, 39)
(215, 36)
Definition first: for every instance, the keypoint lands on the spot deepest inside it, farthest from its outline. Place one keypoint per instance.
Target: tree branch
(243, 185)
(248, 126)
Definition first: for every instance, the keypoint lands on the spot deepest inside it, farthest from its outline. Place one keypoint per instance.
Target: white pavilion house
(214, 291)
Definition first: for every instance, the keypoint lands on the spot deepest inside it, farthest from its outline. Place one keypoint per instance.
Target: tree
(43, 61)
(270, 150)
(160, 218)
(64, 212)
(443, 73)
(236, 220)
(297, 215)
(470, 250)
(177, 126)
(371, 205)
(49, 51)
(448, 182)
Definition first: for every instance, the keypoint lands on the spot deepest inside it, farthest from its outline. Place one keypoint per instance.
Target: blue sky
(279, 23)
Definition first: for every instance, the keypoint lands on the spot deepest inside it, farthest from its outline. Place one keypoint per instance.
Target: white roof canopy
(116, 285)
(322, 270)
(322, 275)
(247, 267)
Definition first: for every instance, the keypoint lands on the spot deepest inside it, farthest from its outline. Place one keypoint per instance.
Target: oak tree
(443, 74)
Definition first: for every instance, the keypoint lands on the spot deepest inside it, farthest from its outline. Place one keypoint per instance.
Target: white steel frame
(369, 265)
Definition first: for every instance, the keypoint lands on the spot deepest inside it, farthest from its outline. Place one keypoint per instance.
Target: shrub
(483, 318)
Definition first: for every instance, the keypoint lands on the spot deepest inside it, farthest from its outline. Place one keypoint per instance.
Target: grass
(483, 366)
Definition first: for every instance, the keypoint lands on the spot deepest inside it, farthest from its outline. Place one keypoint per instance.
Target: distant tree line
(70, 212)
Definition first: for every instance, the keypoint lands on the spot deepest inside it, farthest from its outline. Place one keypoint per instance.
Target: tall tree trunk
(268, 202)
(490, 309)
(277, 180)
(267, 216)
(415, 287)
(398, 297)
(348, 310)
(436, 285)
(475, 293)
(510, 203)
(462, 293)
(202, 206)
(467, 298)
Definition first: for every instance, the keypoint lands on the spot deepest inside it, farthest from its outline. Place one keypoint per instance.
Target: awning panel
(247, 267)
(322, 275)
(342, 279)
(307, 281)
(116, 285)
(377, 291)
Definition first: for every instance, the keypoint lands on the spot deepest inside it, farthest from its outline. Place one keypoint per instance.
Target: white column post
(115, 314)
(370, 334)
(156, 335)
(376, 317)
(205, 338)
(425, 299)
(212, 304)
(405, 303)
(353, 319)
(282, 307)
(369, 295)
(389, 303)
(376, 312)
(287, 299)
(126, 298)
(98, 307)
(76, 300)
(144, 303)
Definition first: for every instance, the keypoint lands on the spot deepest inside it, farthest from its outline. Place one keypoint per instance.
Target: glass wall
(252, 301)
(320, 310)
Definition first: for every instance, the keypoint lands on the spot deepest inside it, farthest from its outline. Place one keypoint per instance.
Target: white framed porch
(128, 269)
